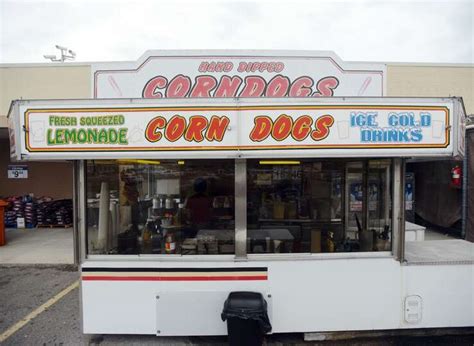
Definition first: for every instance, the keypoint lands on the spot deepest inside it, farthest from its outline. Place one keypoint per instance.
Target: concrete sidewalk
(38, 245)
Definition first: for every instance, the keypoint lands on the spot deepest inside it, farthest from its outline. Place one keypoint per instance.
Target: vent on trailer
(413, 309)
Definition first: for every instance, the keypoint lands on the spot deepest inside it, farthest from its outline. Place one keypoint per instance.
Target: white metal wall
(306, 296)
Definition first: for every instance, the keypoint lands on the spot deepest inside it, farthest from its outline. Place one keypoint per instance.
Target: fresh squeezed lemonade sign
(105, 129)
(222, 128)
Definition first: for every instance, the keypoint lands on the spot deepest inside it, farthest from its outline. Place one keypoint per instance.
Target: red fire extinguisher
(456, 176)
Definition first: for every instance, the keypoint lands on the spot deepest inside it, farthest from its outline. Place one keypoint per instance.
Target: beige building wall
(63, 81)
(50, 81)
(432, 81)
(39, 81)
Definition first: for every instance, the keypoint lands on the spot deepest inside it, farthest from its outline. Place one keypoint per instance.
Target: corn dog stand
(180, 202)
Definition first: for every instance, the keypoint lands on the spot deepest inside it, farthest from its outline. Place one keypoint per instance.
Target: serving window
(313, 206)
(187, 207)
(160, 207)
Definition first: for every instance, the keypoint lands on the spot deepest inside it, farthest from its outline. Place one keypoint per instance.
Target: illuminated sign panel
(239, 128)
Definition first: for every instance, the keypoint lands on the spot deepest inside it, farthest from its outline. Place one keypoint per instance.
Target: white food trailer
(179, 202)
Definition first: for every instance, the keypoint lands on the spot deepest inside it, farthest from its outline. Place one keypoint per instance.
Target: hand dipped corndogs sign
(230, 74)
(303, 128)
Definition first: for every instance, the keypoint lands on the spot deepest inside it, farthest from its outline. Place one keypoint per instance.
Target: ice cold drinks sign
(231, 74)
(238, 128)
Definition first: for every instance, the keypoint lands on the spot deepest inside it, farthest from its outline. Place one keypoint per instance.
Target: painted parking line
(25, 320)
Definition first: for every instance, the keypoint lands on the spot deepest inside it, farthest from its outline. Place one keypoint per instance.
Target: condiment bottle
(179, 217)
(170, 243)
(146, 236)
(330, 242)
(156, 240)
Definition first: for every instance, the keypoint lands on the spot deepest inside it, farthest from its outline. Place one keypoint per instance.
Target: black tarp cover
(470, 185)
(437, 200)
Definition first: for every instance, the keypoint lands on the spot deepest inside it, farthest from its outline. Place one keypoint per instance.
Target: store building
(75, 80)
(179, 201)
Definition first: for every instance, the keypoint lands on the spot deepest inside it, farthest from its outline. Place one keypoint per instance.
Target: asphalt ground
(25, 288)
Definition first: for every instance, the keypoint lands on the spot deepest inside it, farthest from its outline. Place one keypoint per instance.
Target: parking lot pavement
(25, 288)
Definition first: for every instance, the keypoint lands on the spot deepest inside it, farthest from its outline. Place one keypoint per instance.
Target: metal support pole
(75, 213)
(398, 209)
(240, 208)
(365, 196)
(465, 187)
(82, 205)
(387, 195)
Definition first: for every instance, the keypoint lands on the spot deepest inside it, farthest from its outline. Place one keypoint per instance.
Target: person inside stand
(199, 206)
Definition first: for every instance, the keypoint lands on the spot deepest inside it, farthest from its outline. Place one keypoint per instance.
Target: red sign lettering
(195, 129)
(262, 128)
(179, 86)
(203, 86)
(254, 87)
(302, 127)
(323, 123)
(217, 127)
(284, 125)
(151, 131)
(233, 86)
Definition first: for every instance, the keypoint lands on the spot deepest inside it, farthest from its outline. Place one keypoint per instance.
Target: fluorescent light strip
(144, 162)
(280, 162)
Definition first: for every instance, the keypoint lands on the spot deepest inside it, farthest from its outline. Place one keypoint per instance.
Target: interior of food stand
(187, 207)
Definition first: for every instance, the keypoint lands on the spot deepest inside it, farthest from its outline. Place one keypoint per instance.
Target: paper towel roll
(125, 216)
(104, 205)
(114, 224)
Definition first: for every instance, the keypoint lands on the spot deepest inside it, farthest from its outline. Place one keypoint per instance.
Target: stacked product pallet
(42, 214)
(20, 207)
(38, 212)
(55, 213)
(29, 208)
(10, 218)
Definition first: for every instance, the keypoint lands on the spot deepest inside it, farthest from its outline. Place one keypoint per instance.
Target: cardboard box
(20, 222)
(315, 241)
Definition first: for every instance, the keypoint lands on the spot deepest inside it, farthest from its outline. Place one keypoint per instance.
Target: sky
(385, 31)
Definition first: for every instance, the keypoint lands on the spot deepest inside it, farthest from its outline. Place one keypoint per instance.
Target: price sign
(17, 172)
